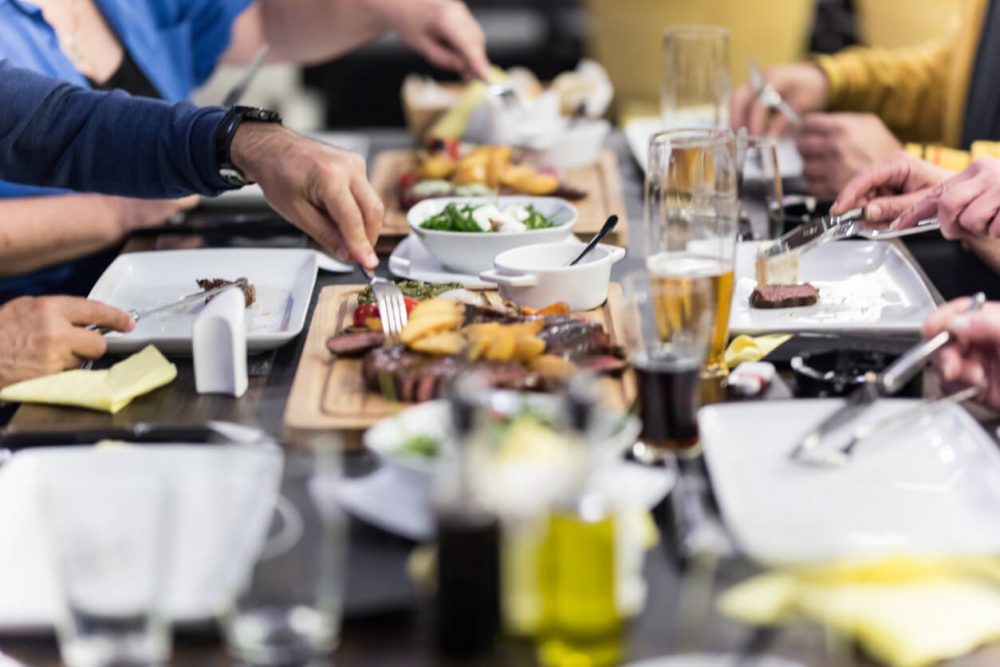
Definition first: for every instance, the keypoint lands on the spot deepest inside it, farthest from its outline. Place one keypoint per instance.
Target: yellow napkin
(753, 348)
(906, 612)
(108, 390)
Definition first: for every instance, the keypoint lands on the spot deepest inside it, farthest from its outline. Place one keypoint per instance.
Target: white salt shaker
(219, 344)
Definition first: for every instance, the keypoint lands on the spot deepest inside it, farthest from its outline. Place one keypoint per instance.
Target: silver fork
(391, 305)
(507, 95)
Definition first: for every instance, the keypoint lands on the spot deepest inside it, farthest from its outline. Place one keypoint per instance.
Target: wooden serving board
(602, 182)
(328, 391)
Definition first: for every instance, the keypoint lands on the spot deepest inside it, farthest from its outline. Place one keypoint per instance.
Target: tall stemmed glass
(691, 219)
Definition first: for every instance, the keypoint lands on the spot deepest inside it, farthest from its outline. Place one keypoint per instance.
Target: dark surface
(387, 622)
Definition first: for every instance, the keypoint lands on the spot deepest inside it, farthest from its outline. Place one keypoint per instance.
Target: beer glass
(761, 191)
(691, 217)
(667, 324)
(696, 88)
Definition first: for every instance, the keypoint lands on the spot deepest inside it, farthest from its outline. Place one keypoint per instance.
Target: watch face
(233, 177)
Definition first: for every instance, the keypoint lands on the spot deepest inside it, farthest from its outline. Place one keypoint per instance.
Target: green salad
(487, 218)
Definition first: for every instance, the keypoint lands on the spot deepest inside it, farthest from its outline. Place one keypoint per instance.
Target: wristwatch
(231, 122)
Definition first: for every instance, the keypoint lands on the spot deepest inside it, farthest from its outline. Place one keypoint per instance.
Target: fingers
(372, 208)
(343, 210)
(979, 328)
(759, 115)
(922, 210)
(887, 209)
(952, 202)
(739, 108)
(84, 344)
(81, 312)
(937, 321)
(441, 54)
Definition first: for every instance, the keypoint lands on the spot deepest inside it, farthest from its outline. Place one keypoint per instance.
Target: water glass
(107, 537)
(696, 87)
(691, 217)
(288, 610)
(667, 324)
(761, 191)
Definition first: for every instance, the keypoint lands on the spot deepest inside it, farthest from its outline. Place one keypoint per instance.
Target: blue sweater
(56, 134)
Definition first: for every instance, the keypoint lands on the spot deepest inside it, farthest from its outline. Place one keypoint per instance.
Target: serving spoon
(609, 225)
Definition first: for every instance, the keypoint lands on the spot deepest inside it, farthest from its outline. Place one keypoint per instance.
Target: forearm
(38, 232)
(309, 31)
(53, 133)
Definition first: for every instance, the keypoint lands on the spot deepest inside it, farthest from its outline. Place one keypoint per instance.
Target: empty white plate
(283, 278)
(932, 486)
(864, 287)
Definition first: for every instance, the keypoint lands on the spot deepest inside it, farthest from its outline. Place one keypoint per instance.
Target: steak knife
(886, 383)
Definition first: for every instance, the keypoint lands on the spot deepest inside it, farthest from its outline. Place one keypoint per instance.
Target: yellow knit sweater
(919, 92)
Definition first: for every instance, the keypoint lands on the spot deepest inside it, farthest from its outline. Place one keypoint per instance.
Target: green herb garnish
(420, 446)
(415, 289)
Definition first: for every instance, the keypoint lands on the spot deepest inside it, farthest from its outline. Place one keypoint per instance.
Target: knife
(188, 300)
(808, 235)
(886, 383)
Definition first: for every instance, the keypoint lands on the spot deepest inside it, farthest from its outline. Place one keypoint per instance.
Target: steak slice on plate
(784, 296)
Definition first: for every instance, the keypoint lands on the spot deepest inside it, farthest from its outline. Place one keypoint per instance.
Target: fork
(770, 97)
(391, 305)
(507, 95)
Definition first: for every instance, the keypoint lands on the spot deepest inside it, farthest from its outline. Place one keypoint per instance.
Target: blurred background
(551, 36)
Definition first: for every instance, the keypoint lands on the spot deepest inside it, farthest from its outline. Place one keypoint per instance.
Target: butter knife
(829, 228)
(886, 383)
(184, 302)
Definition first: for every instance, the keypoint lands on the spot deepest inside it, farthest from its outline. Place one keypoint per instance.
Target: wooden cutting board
(602, 182)
(329, 393)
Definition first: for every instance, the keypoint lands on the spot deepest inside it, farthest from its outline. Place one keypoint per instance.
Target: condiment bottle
(581, 624)
(468, 534)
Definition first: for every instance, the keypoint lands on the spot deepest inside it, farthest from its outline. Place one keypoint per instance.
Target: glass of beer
(761, 190)
(695, 89)
(691, 215)
(667, 324)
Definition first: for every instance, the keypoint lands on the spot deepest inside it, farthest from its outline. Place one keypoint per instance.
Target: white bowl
(539, 275)
(578, 146)
(471, 252)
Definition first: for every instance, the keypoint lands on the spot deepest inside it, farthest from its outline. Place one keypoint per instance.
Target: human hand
(320, 189)
(803, 86)
(443, 31)
(45, 335)
(132, 214)
(967, 204)
(836, 146)
(973, 358)
(889, 187)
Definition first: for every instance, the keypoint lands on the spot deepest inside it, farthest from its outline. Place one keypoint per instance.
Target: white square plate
(864, 286)
(284, 279)
(930, 487)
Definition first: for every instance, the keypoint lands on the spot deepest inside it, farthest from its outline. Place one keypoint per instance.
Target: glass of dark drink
(667, 321)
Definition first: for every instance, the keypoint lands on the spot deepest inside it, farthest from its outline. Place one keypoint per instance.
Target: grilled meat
(249, 291)
(784, 296)
(355, 343)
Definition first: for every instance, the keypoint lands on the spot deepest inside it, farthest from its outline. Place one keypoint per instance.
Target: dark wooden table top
(387, 623)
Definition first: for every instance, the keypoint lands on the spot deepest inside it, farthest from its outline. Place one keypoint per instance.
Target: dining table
(388, 621)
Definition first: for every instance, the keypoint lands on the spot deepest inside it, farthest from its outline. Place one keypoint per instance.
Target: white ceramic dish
(284, 279)
(470, 252)
(411, 260)
(252, 195)
(932, 486)
(864, 287)
(221, 502)
(578, 146)
(639, 130)
(536, 276)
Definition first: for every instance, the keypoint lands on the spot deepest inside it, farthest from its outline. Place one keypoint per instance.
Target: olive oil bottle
(580, 622)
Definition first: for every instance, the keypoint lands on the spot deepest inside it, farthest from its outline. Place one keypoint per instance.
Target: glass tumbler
(695, 88)
(691, 216)
(288, 610)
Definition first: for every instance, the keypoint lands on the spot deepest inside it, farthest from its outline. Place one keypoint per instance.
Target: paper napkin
(753, 348)
(107, 390)
(906, 612)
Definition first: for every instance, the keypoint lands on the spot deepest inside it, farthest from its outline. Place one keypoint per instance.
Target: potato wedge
(440, 345)
(528, 348)
(477, 347)
(527, 328)
(554, 367)
(428, 325)
(436, 307)
(501, 346)
(437, 167)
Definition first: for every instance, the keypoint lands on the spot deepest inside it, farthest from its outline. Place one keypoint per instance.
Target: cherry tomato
(410, 304)
(408, 180)
(451, 147)
(364, 313)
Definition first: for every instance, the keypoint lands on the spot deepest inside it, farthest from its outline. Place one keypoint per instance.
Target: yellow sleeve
(905, 87)
(952, 158)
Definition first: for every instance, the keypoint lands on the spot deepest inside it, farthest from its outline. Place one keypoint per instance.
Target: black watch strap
(231, 122)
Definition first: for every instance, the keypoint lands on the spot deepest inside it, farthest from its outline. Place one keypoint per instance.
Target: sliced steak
(602, 363)
(784, 296)
(569, 337)
(355, 343)
(249, 291)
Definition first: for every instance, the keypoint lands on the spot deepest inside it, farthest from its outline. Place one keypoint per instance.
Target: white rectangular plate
(639, 130)
(930, 487)
(864, 286)
(284, 279)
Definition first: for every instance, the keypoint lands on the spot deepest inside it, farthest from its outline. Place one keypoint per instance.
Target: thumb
(887, 209)
(980, 328)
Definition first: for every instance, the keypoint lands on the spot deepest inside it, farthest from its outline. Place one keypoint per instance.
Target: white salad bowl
(536, 276)
(472, 252)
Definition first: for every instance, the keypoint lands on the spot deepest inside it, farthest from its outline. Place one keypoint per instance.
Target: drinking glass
(667, 322)
(288, 611)
(761, 192)
(691, 219)
(695, 88)
(106, 533)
